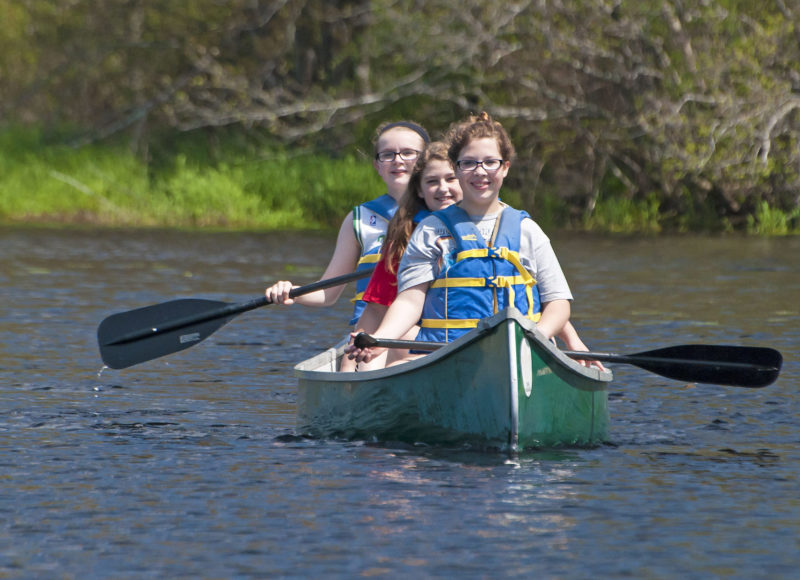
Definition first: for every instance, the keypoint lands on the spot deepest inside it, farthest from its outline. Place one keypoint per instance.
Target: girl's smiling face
(439, 186)
(396, 173)
(481, 188)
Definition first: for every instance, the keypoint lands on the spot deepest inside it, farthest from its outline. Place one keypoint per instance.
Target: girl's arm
(573, 342)
(570, 337)
(403, 314)
(371, 317)
(344, 260)
(555, 315)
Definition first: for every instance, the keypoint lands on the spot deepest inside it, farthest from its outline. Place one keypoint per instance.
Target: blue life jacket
(421, 215)
(370, 221)
(476, 281)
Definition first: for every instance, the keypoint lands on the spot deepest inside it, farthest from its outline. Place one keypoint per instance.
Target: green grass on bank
(243, 188)
(109, 185)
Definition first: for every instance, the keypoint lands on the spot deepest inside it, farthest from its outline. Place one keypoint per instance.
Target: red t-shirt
(382, 287)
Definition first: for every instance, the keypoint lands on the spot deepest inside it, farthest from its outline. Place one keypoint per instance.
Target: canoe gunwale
(308, 369)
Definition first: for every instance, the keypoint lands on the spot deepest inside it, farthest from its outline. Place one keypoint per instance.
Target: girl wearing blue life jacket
(481, 254)
(433, 187)
(397, 146)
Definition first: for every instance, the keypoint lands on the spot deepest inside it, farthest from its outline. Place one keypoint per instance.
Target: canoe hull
(500, 386)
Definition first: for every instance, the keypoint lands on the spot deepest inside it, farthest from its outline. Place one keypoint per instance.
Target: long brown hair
(402, 224)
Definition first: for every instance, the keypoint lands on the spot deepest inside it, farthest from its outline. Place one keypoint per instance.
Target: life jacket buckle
(497, 253)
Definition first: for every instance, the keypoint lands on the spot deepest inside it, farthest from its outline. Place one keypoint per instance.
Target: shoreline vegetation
(627, 117)
(270, 188)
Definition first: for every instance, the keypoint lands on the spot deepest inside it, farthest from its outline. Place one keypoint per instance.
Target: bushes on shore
(109, 185)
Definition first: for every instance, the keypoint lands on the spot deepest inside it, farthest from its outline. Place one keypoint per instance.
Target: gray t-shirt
(430, 242)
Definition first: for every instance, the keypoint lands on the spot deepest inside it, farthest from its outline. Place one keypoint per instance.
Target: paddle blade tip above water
(729, 365)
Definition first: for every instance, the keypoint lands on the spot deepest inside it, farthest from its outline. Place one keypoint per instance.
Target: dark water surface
(187, 466)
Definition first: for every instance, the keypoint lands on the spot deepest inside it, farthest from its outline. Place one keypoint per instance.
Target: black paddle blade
(740, 366)
(132, 337)
(135, 336)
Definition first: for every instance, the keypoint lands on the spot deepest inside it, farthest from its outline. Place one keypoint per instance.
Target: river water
(188, 466)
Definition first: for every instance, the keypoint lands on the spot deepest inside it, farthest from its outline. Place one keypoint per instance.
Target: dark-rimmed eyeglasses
(389, 156)
(489, 165)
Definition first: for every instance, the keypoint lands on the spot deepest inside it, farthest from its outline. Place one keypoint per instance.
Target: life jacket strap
(449, 323)
(497, 253)
(369, 259)
(462, 322)
(508, 281)
(458, 283)
(490, 282)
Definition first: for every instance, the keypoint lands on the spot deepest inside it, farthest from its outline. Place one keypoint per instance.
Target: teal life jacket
(475, 280)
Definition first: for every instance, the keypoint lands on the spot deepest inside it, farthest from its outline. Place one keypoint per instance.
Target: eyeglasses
(489, 165)
(405, 155)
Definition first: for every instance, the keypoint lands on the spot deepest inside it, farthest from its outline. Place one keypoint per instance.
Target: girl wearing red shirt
(433, 185)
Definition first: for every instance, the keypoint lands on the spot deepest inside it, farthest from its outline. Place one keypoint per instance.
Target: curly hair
(480, 126)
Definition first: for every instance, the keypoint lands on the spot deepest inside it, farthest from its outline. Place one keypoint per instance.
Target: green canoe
(500, 386)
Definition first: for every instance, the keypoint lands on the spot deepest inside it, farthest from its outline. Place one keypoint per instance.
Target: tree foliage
(691, 104)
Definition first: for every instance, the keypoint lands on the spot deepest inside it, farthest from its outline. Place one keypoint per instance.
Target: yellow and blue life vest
(370, 222)
(475, 280)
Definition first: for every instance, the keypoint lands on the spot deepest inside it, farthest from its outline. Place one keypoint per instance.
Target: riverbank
(109, 185)
(51, 183)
